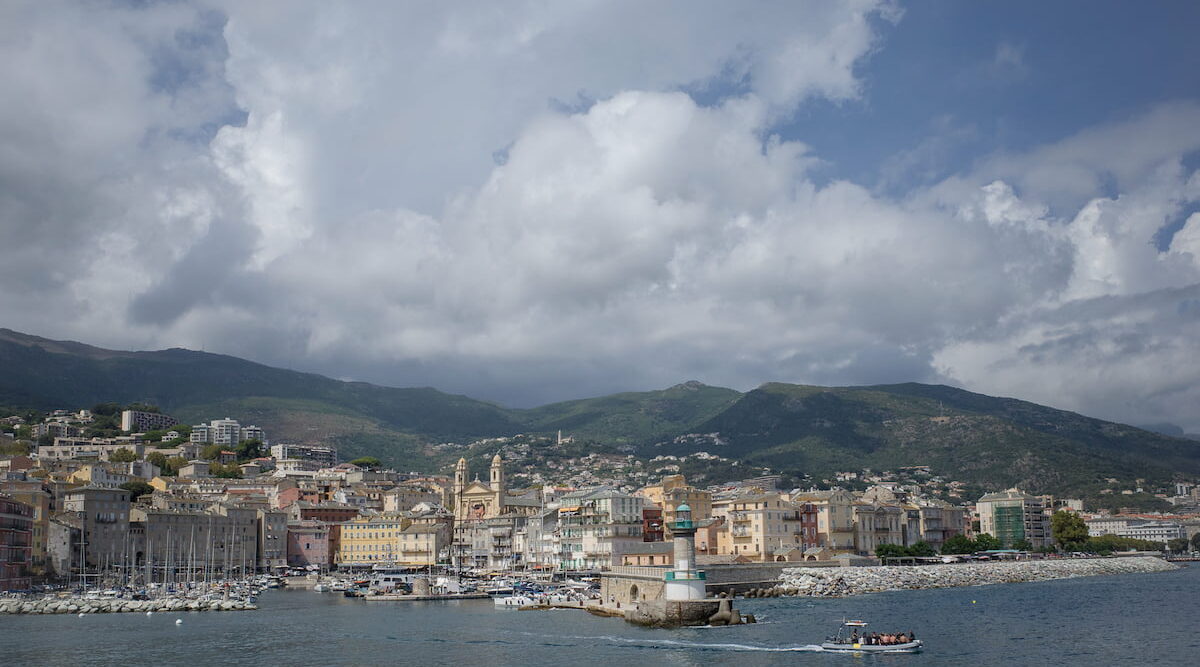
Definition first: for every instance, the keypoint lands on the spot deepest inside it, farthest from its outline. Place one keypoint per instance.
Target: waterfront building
(674, 491)
(30, 491)
(757, 525)
(16, 544)
(272, 538)
(222, 540)
(137, 421)
(835, 517)
(1012, 515)
(876, 524)
(371, 540)
(308, 544)
(104, 522)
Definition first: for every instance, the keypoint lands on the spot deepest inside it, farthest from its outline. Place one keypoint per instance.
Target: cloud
(319, 188)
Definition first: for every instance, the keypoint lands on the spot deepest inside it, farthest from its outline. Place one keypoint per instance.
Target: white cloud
(357, 223)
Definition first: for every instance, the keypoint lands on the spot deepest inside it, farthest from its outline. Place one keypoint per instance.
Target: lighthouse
(684, 582)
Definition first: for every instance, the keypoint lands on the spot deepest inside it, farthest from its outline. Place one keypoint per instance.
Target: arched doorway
(633, 592)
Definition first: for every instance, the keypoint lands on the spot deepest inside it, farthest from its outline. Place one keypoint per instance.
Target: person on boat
(911, 636)
(854, 637)
(902, 639)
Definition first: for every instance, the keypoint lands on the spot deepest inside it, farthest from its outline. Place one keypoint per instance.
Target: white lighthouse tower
(684, 582)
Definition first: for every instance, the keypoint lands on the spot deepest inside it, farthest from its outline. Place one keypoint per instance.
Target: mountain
(197, 386)
(994, 442)
(633, 417)
(802, 430)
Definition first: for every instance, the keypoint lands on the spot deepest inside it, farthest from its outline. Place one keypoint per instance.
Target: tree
(211, 452)
(23, 432)
(173, 465)
(45, 440)
(1068, 529)
(123, 455)
(227, 471)
(159, 459)
(105, 409)
(1023, 545)
(890, 551)
(1178, 545)
(958, 544)
(1196, 541)
(367, 462)
(249, 449)
(921, 548)
(137, 489)
(985, 542)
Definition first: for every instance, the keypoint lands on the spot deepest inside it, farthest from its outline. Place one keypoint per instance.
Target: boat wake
(675, 644)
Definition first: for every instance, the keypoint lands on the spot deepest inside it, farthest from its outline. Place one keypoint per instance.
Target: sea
(1136, 619)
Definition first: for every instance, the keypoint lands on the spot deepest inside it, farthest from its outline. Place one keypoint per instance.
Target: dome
(683, 508)
(496, 459)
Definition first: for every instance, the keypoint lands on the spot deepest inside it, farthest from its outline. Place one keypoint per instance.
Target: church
(476, 501)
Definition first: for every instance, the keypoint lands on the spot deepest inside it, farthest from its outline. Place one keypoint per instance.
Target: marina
(1024, 624)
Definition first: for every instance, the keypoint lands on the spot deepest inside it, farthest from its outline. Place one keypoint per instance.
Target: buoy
(179, 621)
(972, 602)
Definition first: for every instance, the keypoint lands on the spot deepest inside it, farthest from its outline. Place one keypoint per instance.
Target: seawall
(845, 581)
(106, 606)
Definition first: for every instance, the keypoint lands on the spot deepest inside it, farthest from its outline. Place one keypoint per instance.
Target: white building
(323, 457)
(226, 432)
(136, 421)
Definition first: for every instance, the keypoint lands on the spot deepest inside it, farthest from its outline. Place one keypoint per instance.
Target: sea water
(1140, 619)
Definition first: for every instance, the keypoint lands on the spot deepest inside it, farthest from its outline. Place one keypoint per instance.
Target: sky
(535, 201)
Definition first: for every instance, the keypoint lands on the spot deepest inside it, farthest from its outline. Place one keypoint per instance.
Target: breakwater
(845, 581)
(112, 606)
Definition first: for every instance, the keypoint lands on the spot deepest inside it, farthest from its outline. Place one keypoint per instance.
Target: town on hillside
(126, 495)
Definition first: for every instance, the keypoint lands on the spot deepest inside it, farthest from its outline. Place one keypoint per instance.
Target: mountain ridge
(798, 429)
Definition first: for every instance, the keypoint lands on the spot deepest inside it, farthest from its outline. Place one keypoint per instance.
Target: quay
(425, 598)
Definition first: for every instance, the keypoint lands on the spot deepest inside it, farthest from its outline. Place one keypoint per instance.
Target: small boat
(852, 637)
(515, 601)
(321, 588)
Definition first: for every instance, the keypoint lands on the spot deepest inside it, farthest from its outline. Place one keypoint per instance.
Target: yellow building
(371, 540)
(835, 517)
(756, 526)
(674, 491)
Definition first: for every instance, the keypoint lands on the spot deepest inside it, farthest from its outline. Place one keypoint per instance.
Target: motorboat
(852, 637)
(515, 601)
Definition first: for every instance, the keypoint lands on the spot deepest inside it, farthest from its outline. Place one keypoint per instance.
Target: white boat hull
(910, 647)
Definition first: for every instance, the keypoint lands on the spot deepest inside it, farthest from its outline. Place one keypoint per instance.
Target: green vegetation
(805, 432)
(367, 462)
(123, 455)
(960, 544)
(137, 489)
(1068, 529)
(920, 549)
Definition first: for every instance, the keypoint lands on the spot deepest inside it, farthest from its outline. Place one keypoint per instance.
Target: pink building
(16, 544)
(308, 544)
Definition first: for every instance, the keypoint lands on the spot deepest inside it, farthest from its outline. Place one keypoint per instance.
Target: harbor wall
(106, 606)
(845, 581)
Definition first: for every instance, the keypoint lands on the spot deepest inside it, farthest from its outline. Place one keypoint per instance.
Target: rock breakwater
(845, 581)
(86, 606)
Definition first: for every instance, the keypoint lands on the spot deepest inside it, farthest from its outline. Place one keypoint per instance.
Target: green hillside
(994, 442)
(802, 430)
(632, 417)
